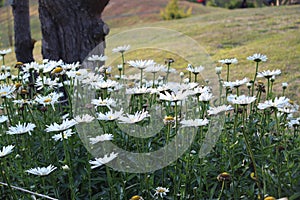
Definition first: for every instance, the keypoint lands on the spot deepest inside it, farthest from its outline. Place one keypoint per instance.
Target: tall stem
(227, 79)
(7, 181)
(123, 63)
(255, 75)
(141, 81)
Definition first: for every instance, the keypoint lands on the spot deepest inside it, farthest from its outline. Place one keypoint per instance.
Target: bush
(172, 11)
(1, 3)
(233, 4)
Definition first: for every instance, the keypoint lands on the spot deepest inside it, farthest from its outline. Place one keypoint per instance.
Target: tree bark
(71, 28)
(23, 41)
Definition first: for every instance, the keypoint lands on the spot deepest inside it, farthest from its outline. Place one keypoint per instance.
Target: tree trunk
(244, 4)
(23, 41)
(71, 28)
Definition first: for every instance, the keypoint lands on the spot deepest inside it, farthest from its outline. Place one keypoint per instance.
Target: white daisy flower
(229, 61)
(51, 64)
(138, 90)
(155, 68)
(21, 129)
(6, 91)
(84, 118)
(161, 191)
(6, 150)
(27, 67)
(42, 82)
(65, 135)
(71, 66)
(108, 102)
(294, 123)
(3, 118)
(110, 115)
(206, 96)
(41, 171)
(236, 83)
(121, 49)
(50, 99)
(219, 109)
(195, 70)
(92, 78)
(105, 84)
(194, 122)
(4, 76)
(141, 64)
(101, 161)
(97, 58)
(257, 57)
(201, 90)
(66, 124)
(276, 103)
(22, 102)
(241, 100)
(131, 119)
(101, 138)
(268, 73)
(179, 96)
(3, 52)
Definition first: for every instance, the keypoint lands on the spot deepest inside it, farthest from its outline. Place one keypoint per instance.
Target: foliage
(232, 4)
(172, 11)
(257, 148)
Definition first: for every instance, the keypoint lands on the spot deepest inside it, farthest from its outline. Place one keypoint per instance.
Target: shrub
(172, 11)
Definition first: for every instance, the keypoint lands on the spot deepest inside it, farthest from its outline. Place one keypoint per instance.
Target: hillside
(123, 13)
(223, 33)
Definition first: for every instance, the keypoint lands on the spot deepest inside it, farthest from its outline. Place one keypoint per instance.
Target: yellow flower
(18, 64)
(252, 175)
(17, 85)
(169, 120)
(136, 197)
(270, 198)
(57, 70)
(224, 177)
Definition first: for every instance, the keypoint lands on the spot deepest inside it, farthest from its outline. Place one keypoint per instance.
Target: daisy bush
(46, 106)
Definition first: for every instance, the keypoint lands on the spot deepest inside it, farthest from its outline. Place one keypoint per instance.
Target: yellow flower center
(57, 70)
(169, 118)
(136, 197)
(3, 93)
(47, 100)
(252, 175)
(269, 198)
(24, 91)
(161, 190)
(17, 85)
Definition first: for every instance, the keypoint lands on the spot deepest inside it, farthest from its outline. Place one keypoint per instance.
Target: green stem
(227, 79)
(68, 161)
(123, 64)
(153, 84)
(255, 75)
(168, 71)
(268, 89)
(222, 189)
(141, 81)
(250, 153)
(7, 181)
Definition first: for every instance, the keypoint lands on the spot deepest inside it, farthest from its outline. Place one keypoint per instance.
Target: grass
(220, 32)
